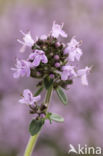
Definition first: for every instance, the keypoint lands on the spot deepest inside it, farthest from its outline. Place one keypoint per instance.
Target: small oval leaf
(35, 126)
(56, 118)
(61, 95)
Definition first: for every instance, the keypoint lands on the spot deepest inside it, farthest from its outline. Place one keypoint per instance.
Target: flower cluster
(50, 60)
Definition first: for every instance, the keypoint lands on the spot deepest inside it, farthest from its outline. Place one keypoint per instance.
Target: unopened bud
(58, 44)
(51, 54)
(57, 65)
(56, 57)
(42, 115)
(52, 76)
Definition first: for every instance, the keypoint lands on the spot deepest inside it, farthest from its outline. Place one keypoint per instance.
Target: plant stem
(31, 144)
(48, 95)
(33, 139)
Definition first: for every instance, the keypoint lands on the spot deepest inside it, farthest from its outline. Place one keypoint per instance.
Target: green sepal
(35, 126)
(39, 91)
(61, 95)
(47, 82)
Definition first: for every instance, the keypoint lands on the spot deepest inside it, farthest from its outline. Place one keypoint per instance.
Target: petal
(21, 42)
(72, 56)
(28, 40)
(44, 59)
(64, 76)
(81, 72)
(78, 53)
(36, 98)
(23, 48)
(16, 75)
(43, 37)
(27, 92)
(22, 100)
(22, 72)
(28, 72)
(18, 64)
(63, 34)
(84, 80)
(36, 61)
(32, 56)
(68, 67)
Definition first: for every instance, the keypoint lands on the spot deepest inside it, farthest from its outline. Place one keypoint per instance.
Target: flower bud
(56, 57)
(57, 65)
(42, 115)
(51, 54)
(52, 76)
(57, 44)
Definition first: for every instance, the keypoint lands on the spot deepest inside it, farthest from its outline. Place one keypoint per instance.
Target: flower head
(22, 69)
(28, 41)
(68, 72)
(51, 59)
(83, 74)
(28, 98)
(37, 57)
(57, 30)
(73, 50)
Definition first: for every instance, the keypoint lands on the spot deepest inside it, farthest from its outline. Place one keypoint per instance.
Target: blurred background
(84, 113)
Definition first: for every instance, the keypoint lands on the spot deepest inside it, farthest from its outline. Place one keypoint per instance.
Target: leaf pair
(48, 82)
(36, 125)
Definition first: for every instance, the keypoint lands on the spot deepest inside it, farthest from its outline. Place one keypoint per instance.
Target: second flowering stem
(33, 139)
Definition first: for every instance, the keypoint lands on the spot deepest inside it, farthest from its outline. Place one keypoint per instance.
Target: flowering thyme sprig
(51, 62)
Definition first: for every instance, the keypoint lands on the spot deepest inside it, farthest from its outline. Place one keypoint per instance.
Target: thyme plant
(51, 62)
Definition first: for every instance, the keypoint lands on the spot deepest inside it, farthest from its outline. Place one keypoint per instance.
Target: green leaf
(61, 95)
(35, 126)
(39, 91)
(47, 82)
(56, 118)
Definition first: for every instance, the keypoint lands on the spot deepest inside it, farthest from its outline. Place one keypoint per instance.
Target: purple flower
(28, 41)
(37, 57)
(73, 50)
(57, 30)
(83, 74)
(28, 98)
(68, 72)
(22, 69)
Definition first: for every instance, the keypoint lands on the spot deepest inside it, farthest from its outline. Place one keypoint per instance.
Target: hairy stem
(33, 139)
